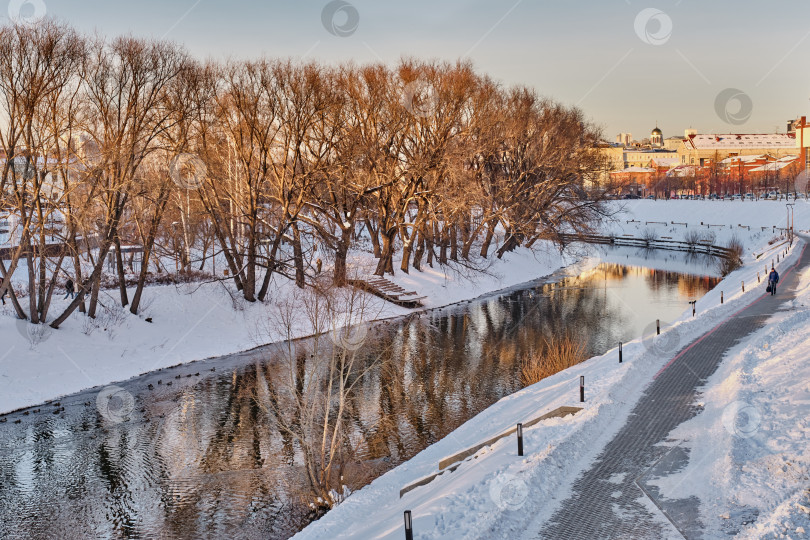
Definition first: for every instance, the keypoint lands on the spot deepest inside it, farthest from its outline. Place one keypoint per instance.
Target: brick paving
(607, 501)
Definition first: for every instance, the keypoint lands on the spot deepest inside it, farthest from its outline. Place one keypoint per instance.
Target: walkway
(607, 500)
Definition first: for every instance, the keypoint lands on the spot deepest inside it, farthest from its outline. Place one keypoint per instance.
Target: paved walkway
(607, 500)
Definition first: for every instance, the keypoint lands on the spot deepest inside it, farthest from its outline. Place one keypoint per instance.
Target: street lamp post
(790, 221)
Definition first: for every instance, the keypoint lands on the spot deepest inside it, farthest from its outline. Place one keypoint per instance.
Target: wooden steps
(387, 290)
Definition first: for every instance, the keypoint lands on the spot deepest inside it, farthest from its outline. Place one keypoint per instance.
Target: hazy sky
(597, 54)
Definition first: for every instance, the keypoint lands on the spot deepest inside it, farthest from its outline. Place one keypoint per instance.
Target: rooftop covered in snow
(725, 141)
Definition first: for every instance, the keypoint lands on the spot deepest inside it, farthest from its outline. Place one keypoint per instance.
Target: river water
(204, 457)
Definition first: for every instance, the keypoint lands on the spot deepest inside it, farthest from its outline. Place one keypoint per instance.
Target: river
(204, 457)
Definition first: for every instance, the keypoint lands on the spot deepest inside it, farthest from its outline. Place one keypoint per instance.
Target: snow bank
(749, 455)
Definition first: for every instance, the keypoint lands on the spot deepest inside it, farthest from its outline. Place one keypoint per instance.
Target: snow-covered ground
(750, 457)
(495, 494)
(195, 321)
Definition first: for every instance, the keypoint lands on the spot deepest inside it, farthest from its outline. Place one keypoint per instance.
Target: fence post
(743, 286)
(657, 327)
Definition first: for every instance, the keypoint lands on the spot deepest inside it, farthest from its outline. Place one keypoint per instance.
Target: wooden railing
(657, 243)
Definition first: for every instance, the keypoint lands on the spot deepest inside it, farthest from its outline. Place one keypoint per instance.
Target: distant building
(625, 139)
(664, 162)
(802, 140)
(672, 143)
(698, 149)
(656, 138)
(615, 156)
(643, 157)
(633, 180)
(792, 124)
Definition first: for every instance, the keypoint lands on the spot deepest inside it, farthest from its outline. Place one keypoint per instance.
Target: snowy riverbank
(196, 321)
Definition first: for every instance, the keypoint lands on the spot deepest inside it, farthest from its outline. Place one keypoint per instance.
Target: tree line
(272, 166)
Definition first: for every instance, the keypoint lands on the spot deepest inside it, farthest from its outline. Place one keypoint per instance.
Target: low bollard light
(657, 327)
(721, 297)
(743, 286)
(620, 352)
(408, 525)
(582, 388)
(520, 439)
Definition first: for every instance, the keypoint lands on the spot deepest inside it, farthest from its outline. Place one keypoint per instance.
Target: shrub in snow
(557, 354)
(692, 237)
(649, 236)
(734, 260)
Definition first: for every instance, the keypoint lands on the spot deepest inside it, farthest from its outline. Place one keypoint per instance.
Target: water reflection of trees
(215, 462)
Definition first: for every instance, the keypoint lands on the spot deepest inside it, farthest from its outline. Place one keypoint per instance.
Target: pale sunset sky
(625, 63)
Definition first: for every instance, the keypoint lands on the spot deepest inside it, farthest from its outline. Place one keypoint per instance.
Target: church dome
(658, 132)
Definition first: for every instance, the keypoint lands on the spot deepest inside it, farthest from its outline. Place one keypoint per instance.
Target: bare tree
(125, 86)
(37, 76)
(313, 400)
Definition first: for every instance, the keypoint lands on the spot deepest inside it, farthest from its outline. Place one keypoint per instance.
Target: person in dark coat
(69, 290)
(773, 279)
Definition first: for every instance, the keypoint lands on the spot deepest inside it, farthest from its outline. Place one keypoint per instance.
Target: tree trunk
(467, 238)
(271, 266)
(341, 254)
(122, 278)
(298, 257)
(420, 249)
(249, 281)
(386, 264)
(406, 256)
(77, 265)
(375, 238)
(136, 298)
(11, 294)
(453, 243)
(148, 245)
(512, 241)
(443, 242)
(488, 238)
(32, 297)
(430, 229)
(46, 303)
(95, 286)
(43, 265)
